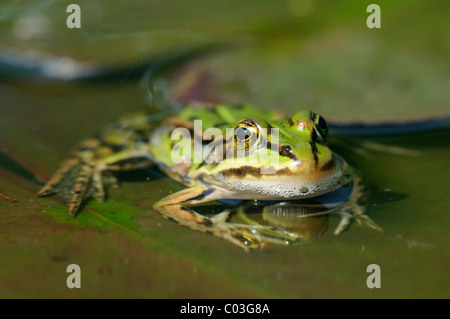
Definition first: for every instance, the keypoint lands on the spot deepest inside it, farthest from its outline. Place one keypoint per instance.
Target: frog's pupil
(243, 134)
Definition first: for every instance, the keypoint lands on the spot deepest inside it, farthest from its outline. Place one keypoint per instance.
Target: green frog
(250, 155)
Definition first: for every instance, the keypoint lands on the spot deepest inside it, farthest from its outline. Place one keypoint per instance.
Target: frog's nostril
(285, 150)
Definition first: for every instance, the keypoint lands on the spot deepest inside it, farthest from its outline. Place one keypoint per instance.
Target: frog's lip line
(294, 170)
(273, 186)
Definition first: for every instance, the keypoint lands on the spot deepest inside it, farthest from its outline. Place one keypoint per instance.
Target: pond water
(325, 60)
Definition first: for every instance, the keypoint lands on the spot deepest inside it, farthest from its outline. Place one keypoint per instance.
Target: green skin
(302, 166)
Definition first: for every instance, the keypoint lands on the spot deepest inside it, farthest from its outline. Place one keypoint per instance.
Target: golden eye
(246, 135)
(242, 134)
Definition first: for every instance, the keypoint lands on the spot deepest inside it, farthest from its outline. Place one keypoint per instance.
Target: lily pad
(321, 57)
(348, 73)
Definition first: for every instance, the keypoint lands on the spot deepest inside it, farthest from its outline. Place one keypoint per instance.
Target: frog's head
(279, 159)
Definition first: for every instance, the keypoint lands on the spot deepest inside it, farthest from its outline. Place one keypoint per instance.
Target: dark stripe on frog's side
(314, 151)
(313, 116)
(291, 122)
(318, 121)
(314, 136)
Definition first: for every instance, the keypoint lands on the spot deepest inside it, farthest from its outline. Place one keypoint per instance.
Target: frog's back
(223, 115)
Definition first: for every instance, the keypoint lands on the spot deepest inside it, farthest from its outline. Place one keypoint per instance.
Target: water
(148, 256)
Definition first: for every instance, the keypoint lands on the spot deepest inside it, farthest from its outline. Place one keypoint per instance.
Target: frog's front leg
(88, 169)
(174, 207)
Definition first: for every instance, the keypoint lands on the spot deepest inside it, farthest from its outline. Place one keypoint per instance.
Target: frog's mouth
(280, 186)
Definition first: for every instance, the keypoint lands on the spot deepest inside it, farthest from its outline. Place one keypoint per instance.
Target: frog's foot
(73, 179)
(252, 236)
(346, 219)
(85, 173)
(242, 235)
(352, 210)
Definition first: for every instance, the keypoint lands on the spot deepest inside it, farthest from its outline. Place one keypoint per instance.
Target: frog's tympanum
(250, 155)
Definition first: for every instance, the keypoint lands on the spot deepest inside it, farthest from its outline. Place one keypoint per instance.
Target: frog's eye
(246, 135)
(320, 131)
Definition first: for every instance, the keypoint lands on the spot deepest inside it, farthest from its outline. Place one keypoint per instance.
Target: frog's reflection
(300, 221)
(292, 222)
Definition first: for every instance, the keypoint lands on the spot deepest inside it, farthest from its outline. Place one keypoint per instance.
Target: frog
(252, 156)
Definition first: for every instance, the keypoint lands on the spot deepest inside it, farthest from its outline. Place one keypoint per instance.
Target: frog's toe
(253, 236)
(109, 179)
(346, 219)
(343, 224)
(258, 241)
(50, 187)
(91, 181)
(97, 183)
(80, 187)
(44, 191)
(78, 184)
(369, 222)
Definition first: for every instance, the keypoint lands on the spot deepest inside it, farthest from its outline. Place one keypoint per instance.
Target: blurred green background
(284, 55)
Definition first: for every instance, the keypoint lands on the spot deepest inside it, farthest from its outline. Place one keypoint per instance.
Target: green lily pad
(348, 73)
(321, 57)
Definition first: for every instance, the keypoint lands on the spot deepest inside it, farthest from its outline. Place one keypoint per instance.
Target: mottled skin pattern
(305, 167)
